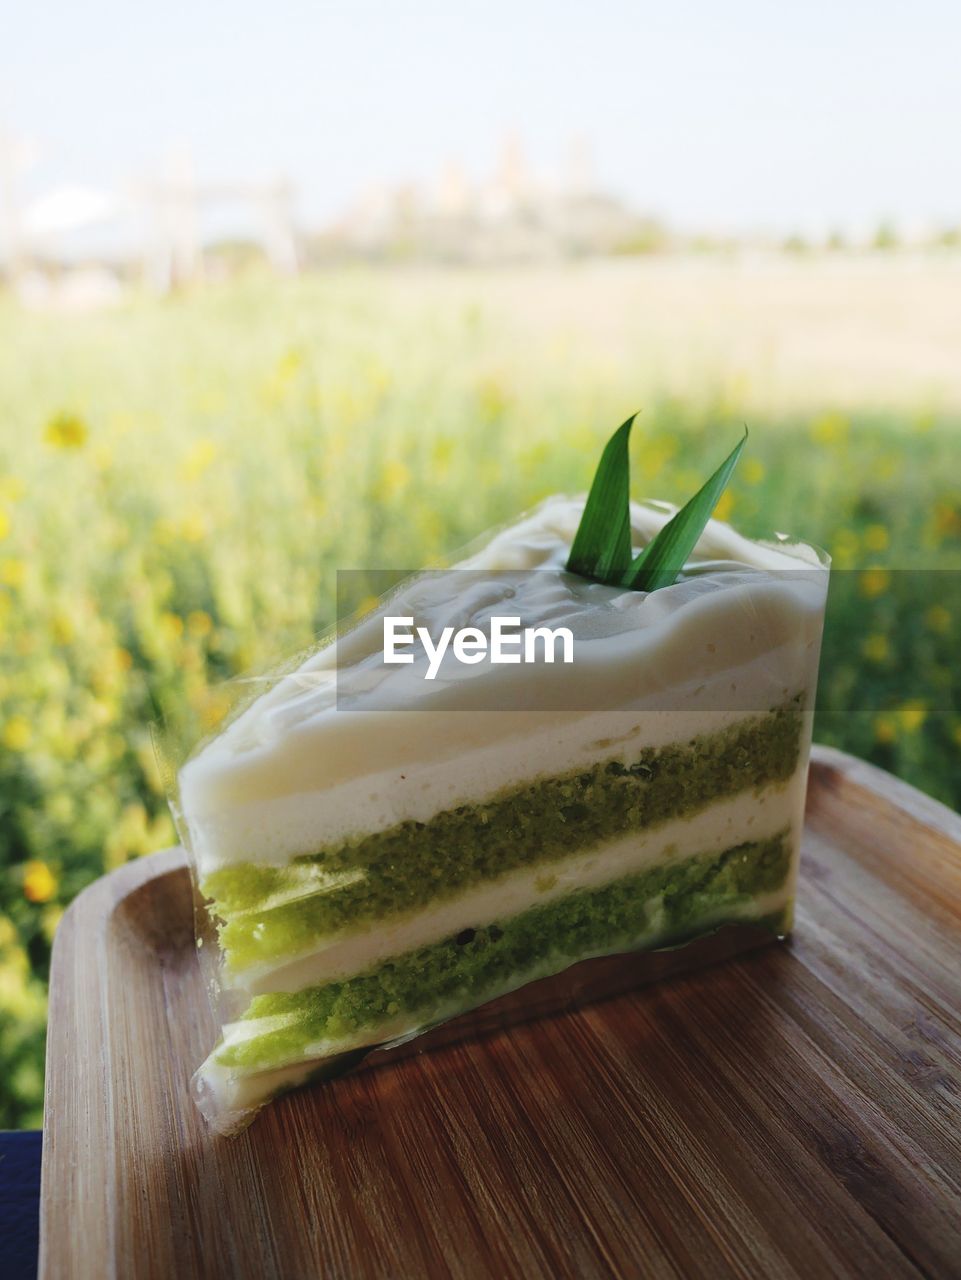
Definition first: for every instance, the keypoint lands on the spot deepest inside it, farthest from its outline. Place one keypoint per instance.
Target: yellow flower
(947, 520)
(17, 734)
(876, 537)
(884, 729)
(752, 471)
(938, 619)
(172, 624)
(66, 431)
(659, 452)
(61, 629)
(442, 453)
(912, 715)
(925, 421)
(193, 527)
(492, 399)
(214, 707)
(830, 428)
(199, 623)
(199, 457)
(39, 882)
(724, 506)
(289, 365)
(13, 572)
(11, 488)
(367, 604)
(876, 648)
(394, 480)
(874, 583)
(4, 523)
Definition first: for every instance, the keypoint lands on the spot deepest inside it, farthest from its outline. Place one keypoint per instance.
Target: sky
(742, 115)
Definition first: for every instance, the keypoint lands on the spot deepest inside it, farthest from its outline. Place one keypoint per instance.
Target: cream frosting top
(738, 632)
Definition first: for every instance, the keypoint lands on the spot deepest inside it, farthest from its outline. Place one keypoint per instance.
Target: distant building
(509, 217)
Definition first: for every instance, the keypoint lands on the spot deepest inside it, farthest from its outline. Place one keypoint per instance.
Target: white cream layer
(738, 634)
(745, 817)
(272, 831)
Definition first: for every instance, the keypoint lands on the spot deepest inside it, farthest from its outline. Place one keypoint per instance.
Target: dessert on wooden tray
(386, 845)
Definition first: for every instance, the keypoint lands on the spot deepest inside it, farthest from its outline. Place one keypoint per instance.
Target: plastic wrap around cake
(433, 810)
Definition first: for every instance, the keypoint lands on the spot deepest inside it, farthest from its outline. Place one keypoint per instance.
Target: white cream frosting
(738, 633)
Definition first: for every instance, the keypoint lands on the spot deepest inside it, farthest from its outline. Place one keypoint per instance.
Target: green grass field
(180, 480)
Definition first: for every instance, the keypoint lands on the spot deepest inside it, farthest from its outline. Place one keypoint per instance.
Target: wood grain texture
(791, 1112)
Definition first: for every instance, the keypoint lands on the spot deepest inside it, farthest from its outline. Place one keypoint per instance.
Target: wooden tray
(792, 1112)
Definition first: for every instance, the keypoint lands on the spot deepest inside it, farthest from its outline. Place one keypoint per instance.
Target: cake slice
(381, 851)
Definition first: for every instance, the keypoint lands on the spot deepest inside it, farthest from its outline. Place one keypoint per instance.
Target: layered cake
(381, 851)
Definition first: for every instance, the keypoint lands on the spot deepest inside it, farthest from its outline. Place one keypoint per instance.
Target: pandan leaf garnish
(602, 545)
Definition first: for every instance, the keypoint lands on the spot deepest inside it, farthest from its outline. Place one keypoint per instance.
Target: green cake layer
(268, 912)
(664, 903)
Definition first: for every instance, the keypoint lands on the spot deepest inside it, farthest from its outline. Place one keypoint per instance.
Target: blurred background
(289, 288)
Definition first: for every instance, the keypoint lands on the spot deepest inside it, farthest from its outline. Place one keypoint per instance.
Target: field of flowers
(179, 481)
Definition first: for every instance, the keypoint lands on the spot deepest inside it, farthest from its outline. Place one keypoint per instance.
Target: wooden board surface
(795, 1111)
